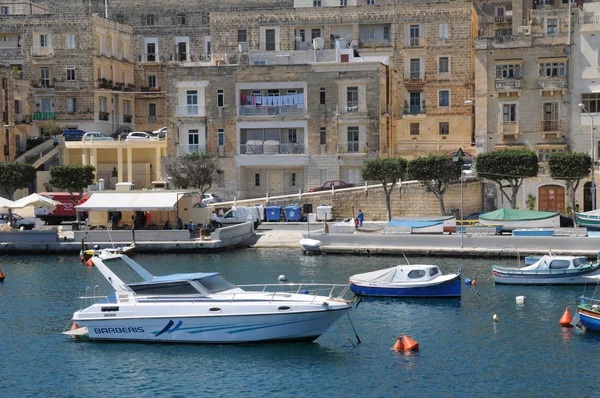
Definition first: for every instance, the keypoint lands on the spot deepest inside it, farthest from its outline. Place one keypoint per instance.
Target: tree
(15, 176)
(385, 171)
(436, 172)
(52, 128)
(570, 167)
(72, 178)
(512, 166)
(193, 170)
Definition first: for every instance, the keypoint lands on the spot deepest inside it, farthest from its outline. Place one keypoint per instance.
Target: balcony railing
(503, 18)
(414, 110)
(414, 42)
(253, 110)
(552, 83)
(550, 125)
(270, 148)
(149, 57)
(352, 147)
(183, 149)
(302, 45)
(21, 118)
(43, 116)
(147, 89)
(373, 42)
(508, 84)
(190, 111)
(510, 128)
(11, 52)
(38, 51)
(414, 78)
(103, 116)
(352, 106)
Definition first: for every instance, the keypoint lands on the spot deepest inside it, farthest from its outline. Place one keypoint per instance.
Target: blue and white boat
(589, 313)
(407, 281)
(548, 270)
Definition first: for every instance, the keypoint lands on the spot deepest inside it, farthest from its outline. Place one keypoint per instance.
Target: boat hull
(558, 277)
(588, 318)
(305, 326)
(449, 288)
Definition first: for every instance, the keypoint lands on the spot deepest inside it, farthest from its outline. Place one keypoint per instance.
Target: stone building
(521, 88)
(280, 128)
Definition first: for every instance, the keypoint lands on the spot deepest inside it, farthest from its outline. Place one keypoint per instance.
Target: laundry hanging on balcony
(282, 100)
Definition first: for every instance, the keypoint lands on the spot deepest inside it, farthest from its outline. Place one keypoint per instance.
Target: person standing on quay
(360, 217)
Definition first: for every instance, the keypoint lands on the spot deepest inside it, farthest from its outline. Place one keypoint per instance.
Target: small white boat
(548, 270)
(521, 219)
(311, 245)
(107, 253)
(206, 308)
(407, 281)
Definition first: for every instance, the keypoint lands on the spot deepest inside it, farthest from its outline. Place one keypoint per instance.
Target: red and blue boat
(407, 281)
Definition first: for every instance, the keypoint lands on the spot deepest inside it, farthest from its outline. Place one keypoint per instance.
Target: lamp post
(458, 159)
(593, 189)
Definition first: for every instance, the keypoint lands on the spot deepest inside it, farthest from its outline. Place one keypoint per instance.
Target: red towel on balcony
(243, 99)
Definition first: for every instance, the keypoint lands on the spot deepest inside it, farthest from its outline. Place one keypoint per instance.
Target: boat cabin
(400, 274)
(549, 262)
(202, 284)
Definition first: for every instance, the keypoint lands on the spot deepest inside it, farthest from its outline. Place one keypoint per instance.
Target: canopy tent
(147, 201)
(517, 215)
(34, 200)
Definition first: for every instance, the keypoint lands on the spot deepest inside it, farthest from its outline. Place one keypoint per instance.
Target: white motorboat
(310, 245)
(205, 308)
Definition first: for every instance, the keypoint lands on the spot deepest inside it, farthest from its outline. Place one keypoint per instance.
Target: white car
(160, 133)
(210, 198)
(140, 135)
(18, 221)
(94, 136)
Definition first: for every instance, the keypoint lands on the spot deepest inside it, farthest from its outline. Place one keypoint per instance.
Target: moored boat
(589, 219)
(205, 308)
(407, 281)
(548, 270)
(518, 219)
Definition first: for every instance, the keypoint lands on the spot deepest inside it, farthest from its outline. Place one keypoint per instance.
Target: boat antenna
(407, 262)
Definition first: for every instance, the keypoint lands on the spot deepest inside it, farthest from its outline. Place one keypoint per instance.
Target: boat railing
(337, 291)
(543, 271)
(590, 301)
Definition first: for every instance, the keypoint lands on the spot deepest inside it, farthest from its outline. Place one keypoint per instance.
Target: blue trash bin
(273, 213)
(292, 213)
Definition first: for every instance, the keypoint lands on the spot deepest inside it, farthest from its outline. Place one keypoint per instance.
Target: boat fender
(566, 319)
(282, 278)
(474, 282)
(495, 318)
(90, 263)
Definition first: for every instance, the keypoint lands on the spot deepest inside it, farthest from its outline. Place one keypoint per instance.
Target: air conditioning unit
(243, 47)
(318, 43)
(524, 30)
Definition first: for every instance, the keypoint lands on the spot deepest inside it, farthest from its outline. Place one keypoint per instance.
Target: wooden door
(275, 182)
(551, 198)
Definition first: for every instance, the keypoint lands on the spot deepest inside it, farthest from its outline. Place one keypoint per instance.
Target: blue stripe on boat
(451, 288)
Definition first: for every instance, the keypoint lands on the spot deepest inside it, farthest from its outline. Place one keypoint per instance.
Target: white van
(238, 215)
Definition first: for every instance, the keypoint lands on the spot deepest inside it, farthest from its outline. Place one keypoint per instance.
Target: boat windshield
(163, 289)
(577, 262)
(216, 284)
(559, 264)
(416, 274)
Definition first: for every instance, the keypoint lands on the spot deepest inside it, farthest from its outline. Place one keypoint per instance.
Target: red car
(337, 184)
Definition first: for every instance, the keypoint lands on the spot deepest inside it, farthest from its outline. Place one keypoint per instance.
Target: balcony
(149, 57)
(552, 83)
(278, 110)
(374, 42)
(42, 52)
(510, 129)
(551, 128)
(147, 89)
(273, 147)
(414, 79)
(105, 83)
(351, 107)
(415, 42)
(414, 110)
(503, 18)
(151, 118)
(22, 118)
(190, 111)
(508, 85)
(43, 116)
(183, 149)
(10, 53)
(103, 116)
(352, 147)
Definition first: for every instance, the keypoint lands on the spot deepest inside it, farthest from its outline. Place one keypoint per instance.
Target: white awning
(129, 201)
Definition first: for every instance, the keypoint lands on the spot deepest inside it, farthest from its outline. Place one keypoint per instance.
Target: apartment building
(280, 128)
(522, 86)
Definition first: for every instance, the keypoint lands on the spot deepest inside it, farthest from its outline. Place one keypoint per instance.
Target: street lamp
(458, 159)
(582, 106)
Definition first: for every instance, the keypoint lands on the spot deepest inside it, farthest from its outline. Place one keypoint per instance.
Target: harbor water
(462, 351)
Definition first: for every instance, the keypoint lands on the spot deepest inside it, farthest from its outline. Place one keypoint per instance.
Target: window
(550, 121)
(323, 136)
(45, 76)
(415, 68)
(414, 35)
(221, 137)
(414, 128)
(545, 2)
(220, 99)
(151, 113)
(181, 19)
(500, 14)
(151, 52)
(559, 264)
(552, 26)
(416, 274)
(415, 101)
(44, 41)
(343, 3)
(242, 36)
(444, 128)
(182, 51)
(316, 3)
(127, 109)
(120, 18)
(17, 107)
(70, 41)
(193, 140)
(270, 40)
(509, 113)
(71, 73)
(386, 32)
(508, 71)
(293, 179)
(3, 10)
(444, 32)
(102, 104)
(71, 105)
(444, 98)
(543, 154)
(353, 139)
(150, 19)
(444, 65)
(257, 180)
(552, 69)
(370, 2)
(152, 81)
(322, 96)
(352, 99)
(433, 271)
(292, 136)
(591, 102)
(315, 33)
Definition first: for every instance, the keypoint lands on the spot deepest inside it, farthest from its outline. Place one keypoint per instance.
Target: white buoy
(520, 299)
(282, 278)
(495, 318)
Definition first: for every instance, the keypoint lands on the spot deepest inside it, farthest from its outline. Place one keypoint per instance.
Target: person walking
(360, 217)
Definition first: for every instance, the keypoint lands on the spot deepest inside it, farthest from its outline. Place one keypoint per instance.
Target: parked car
(326, 186)
(18, 221)
(95, 136)
(239, 215)
(210, 198)
(73, 135)
(140, 135)
(160, 133)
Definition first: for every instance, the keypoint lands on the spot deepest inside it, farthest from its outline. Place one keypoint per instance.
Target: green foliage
(52, 128)
(72, 178)
(193, 170)
(15, 176)
(436, 172)
(384, 170)
(530, 202)
(569, 165)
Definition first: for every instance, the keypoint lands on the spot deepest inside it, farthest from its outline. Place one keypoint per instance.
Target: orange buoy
(90, 263)
(474, 281)
(566, 319)
(398, 346)
(1, 276)
(410, 344)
